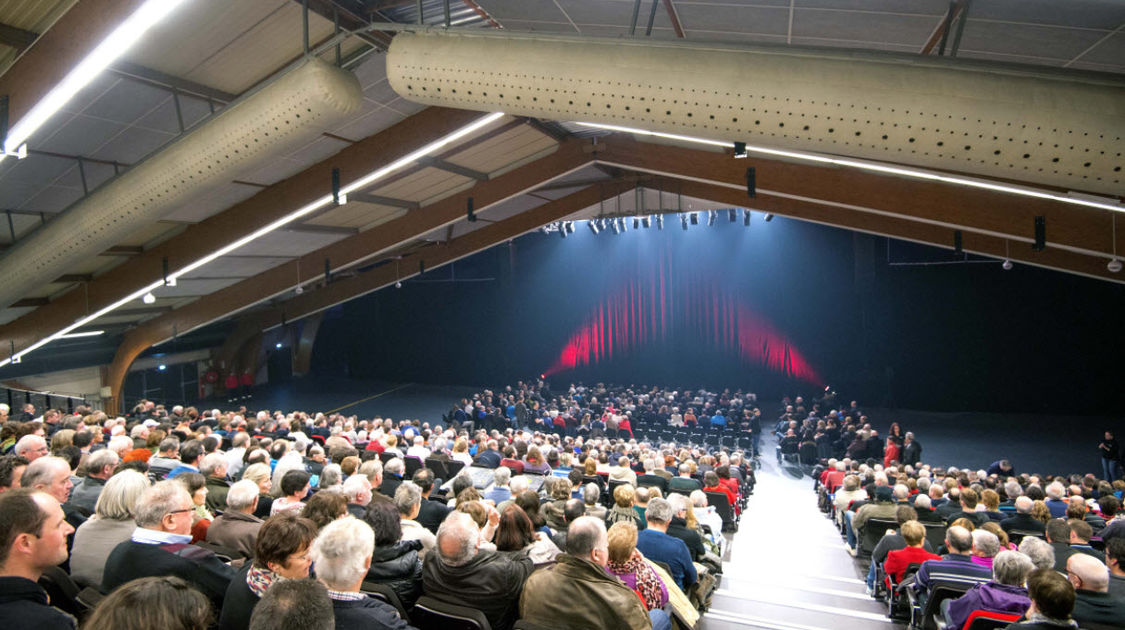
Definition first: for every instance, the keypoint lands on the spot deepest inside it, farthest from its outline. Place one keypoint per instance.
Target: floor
(787, 568)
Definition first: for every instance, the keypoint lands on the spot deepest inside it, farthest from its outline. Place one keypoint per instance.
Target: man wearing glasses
(161, 546)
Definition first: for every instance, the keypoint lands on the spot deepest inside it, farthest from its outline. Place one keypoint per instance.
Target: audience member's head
(1087, 573)
(1011, 568)
(118, 499)
(11, 471)
(294, 605)
(958, 540)
(622, 539)
(242, 496)
(283, 545)
(342, 553)
(166, 506)
(49, 474)
(515, 530)
(1042, 554)
(985, 543)
(33, 531)
(1058, 531)
(586, 539)
(914, 533)
(1051, 595)
(324, 507)
(152, 602)
(458, 539)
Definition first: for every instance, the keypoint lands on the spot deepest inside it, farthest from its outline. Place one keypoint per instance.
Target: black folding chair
(412, 465)
(935, 535)
(926, 617)
(873, 531)
(723, 508)
(434, 614)
(387, 595)
(65, 594)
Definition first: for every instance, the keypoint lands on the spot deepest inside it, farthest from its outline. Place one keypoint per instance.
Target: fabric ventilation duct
(1015, 123)
(277, 119)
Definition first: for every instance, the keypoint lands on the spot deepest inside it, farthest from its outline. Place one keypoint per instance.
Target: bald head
(586, 538)
(458, 538)
(1088, 573)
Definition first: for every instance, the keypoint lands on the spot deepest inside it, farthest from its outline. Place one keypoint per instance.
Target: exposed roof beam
(124, 250)
(132, 312)
(674, 18)
(169, 82)
(31, 302)
(350, 20)
(321, 229)
(549, 130)
(450, 167)
(384, 201)
(75, 277)
(17, 38)
(263, 208)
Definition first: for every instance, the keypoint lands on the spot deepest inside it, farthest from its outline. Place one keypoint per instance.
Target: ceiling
(213, 52)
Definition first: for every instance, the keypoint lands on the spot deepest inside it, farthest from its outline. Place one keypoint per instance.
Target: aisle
(787, 568)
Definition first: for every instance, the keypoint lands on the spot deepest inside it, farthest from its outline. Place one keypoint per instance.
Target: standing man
(33, 526)
(1110, 451)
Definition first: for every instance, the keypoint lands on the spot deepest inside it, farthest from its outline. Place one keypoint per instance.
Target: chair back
(935, 535)
(434, 614)
(452, 467)
(386, 457)
(387, 595)
(412, 464)
(65, 595)
(438, 467)
(873, 531)
(989, 620)
(723, 508)
(1016, 535)
(940, 590)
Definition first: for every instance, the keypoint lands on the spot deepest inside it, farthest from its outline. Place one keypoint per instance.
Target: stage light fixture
(732, 214)
(277, 345)
(660, 221)
(624, 224)
(1007, 265)
(570, 227)
(647, 222)
(79, 335)
(615, 226)
(683, 221)
(398, 284)
(746, 217)
(593, 225)
(637, 223)
(148, 298)
(739, 150)
(769, 217)
(162, 367)
(1114, 266)
(562, 230)
(299, 290)
(711, 217)
(695, 218)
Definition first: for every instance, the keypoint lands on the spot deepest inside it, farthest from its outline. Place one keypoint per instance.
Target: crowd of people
(247, 520)
(944, 543)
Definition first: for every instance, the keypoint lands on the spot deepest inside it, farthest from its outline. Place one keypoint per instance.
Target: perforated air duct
(1041, 126)
(277, 119)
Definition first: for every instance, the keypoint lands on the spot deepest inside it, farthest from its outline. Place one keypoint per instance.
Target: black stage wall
(779, 307)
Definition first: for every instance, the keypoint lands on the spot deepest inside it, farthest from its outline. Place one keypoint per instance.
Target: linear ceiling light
(361, 183)
(108, 51)
(872, 166)
(79, 335)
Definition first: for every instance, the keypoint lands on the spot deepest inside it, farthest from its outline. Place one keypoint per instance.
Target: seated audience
(111, 524)
(655, 543)
(408, 500)
(1058, 535)
(152, 603)
(259, 473)
(395, 562)
(1022, 520)
(461, 573)
(577, 591)
(342, 554)
(33, 529)
(160, 546)
(955, 566)
(913, 535)
(357, 489)
(1052, 601)
(1080, 535)
(590, 496)
(1093, 602)
(684, 481)
(324, 507)
(280, 553)
(294, 489)
(237, 528)
(630, 566)
(985, 547)
(294, 605)
(431, 512)
(196, 485)
(678, 527)
(99, 468)
(1040, 552)
(1004, 594)
(516, 533)
(499, 492)
(622, 510)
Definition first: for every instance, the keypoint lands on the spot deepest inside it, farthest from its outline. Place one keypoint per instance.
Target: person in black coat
(1110, 451)
(34, 520)
(431, 513)
(1052, 602)
(911, 450)
(395, 562)
(342, 553)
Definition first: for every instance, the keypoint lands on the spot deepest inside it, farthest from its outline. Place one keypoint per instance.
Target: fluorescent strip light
(873, 166)
(108, 51)
(79, 335)
(315, 205)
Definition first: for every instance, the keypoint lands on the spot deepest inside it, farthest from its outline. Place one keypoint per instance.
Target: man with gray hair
(655, 543)
(99, 468)
(578, 592)
(342, 554)
(500, 491)
(161, 546)
(460, 573)
(1004, 594)
(590, 495)
(955, 566)
(408, 500)
(1040, 551)
(1022, 520)
(214, 468)
(358, 490)
(31, 447)
(237, 527)
(52, 475)
(393, 471)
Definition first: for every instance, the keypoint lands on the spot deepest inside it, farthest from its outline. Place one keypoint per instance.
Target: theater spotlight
(603, 223)
(615, 226)
(732, 215)
(562, 230)
(695, 218)
(624, 224)
(711, 217)
(570, 227)
(660, 221)
(1007, 265)
(683, 221)
(148, 298)
(593, 224)
(647, 222)
(769, 217)
(637, 223)
(746, 217)
(1114, 266)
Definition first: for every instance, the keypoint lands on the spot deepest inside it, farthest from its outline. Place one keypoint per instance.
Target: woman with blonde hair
(111, 524)
(630, 566)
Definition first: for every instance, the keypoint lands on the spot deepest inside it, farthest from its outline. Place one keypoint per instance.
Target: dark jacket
(488, 459)
(678, 529)
(578, 594)
(431, 513)
(1101, 608)
(400, 567)
(368, 613)
(911, 453)
(23, 606)
(1023, 523)
(391, 482)
(217, 490)
(239, 602)
(235, 530)
(198, 566)
(491, 582)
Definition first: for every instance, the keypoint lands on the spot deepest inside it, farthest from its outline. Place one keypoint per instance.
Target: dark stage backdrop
(779, 307)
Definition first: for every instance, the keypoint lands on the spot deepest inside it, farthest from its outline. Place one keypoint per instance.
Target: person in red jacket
(890, 453)
(914, 533)
(712, 483)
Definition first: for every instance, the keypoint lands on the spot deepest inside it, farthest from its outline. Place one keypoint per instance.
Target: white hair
(356, 485)
(118, 499)
(519, 485)
(211, 463)
(340, 552)
(242, 495)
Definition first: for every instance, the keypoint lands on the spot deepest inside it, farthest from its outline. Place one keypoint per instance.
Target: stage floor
(1034, 443)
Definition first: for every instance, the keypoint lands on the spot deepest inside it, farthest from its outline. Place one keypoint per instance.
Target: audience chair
(158, 473)
(65, 595)
(387, 595)
(873, 531)
(413, 464)
(723, 509)
(452, 468)
(386, 457)
(225, 554)
(926, 617)
(438, 468)
(988, 620)
(433, 614)
(1016, 535)
(898, 604)
(935, 535)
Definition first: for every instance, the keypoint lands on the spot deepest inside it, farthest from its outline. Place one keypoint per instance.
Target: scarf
(259, 580)
(648, 585)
